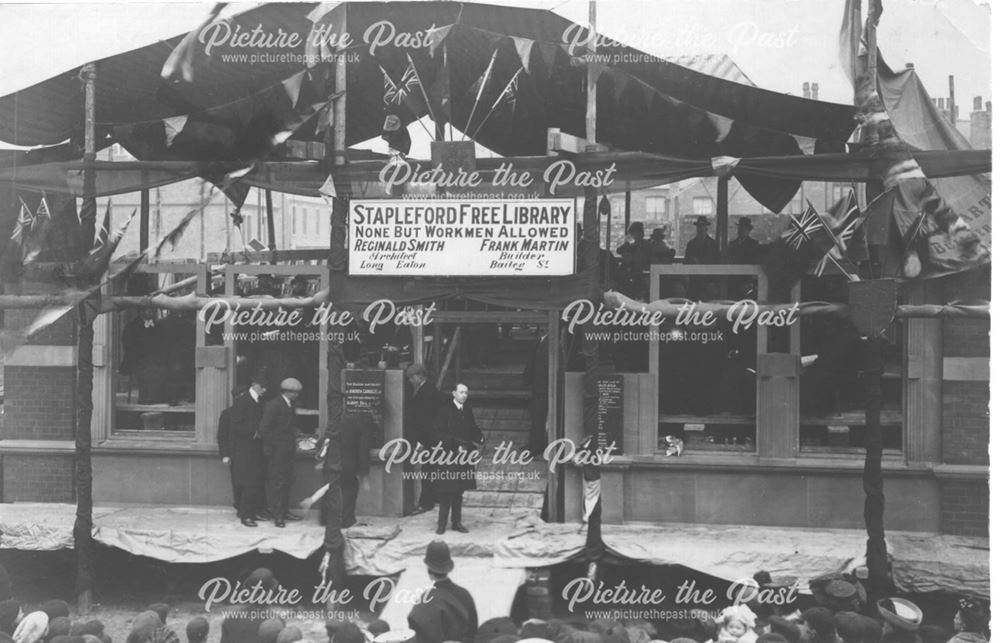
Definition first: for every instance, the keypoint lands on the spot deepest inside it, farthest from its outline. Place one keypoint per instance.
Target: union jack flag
(846, 220)
(25, 222)
(808, 228)
(396, 94)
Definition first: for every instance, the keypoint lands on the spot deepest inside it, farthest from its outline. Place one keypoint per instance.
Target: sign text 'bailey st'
(462, 237)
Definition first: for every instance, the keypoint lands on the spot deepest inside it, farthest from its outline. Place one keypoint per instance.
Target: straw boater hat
(900, 613)
(291, 384)
(396, 636)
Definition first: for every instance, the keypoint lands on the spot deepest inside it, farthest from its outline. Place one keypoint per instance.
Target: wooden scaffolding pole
(83, 526)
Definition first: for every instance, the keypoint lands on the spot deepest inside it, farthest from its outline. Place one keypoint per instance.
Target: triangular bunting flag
(328, 190)
(877, 217)
(293, 86)
(620, 82)
(42, 212)
(722, 125)
(320, 10)
(548, 52)
(523, 48)
(436, 36)
(180, 62)
(173, 126)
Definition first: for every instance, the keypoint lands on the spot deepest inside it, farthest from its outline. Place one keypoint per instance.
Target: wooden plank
(966, 369)
(722, 215)
(40, 355)
(279, 255)
(648, 412)
(922, 386)
(633, 410)
(490, 316)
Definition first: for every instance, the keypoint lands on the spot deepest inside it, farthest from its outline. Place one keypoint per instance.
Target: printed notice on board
(532, 237)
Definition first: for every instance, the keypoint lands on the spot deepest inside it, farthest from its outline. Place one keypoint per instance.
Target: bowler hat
(744, 222)
(438, 558)
(900, 613)
(658, 233)
(702, 221)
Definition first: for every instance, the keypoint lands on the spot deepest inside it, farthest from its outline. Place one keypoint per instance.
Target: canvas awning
(235, 108)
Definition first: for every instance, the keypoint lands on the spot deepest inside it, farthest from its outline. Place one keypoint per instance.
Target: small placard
(611, 411)
(363, 391)
(694, 427)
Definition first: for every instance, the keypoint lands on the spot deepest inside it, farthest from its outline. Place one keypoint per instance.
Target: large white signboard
(485, 238)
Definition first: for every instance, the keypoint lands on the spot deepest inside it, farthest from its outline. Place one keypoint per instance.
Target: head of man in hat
(972, 618)
(743, 228)
(701, 226)
(291, 388)
(438, 560)
(636, 232)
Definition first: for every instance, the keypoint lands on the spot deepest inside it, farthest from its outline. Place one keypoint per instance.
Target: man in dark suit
(225, 450)
(703, 249)
(245, 451)
(447, 612)
(355, 442)
(418, 418)
(456, 431)
(278, 431)
(744, 249)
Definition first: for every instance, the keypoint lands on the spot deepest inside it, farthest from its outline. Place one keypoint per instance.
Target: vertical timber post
(83, 525)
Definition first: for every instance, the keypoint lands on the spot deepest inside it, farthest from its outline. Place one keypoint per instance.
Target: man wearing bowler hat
(703, 249)
(744, 248)
(447, 612)
(278, 432)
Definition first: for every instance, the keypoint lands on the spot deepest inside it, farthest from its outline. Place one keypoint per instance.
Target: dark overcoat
(245, 449)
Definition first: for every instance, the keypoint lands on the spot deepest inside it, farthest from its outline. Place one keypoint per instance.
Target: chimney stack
(805, 90)
(909, 66)
(977, 104)
(815, 91)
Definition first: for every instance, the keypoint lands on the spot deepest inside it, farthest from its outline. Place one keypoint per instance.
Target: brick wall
(38, 403)
(37, 478)
(965, 423)
(965, 507)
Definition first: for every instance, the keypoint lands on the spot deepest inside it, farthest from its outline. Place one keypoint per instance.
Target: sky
(777, 43)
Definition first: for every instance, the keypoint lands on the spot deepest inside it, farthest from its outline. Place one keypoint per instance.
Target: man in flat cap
(447, 612)
(278, 432)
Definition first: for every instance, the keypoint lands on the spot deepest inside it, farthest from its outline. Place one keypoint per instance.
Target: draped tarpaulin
(234, 105)
(922, 562)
